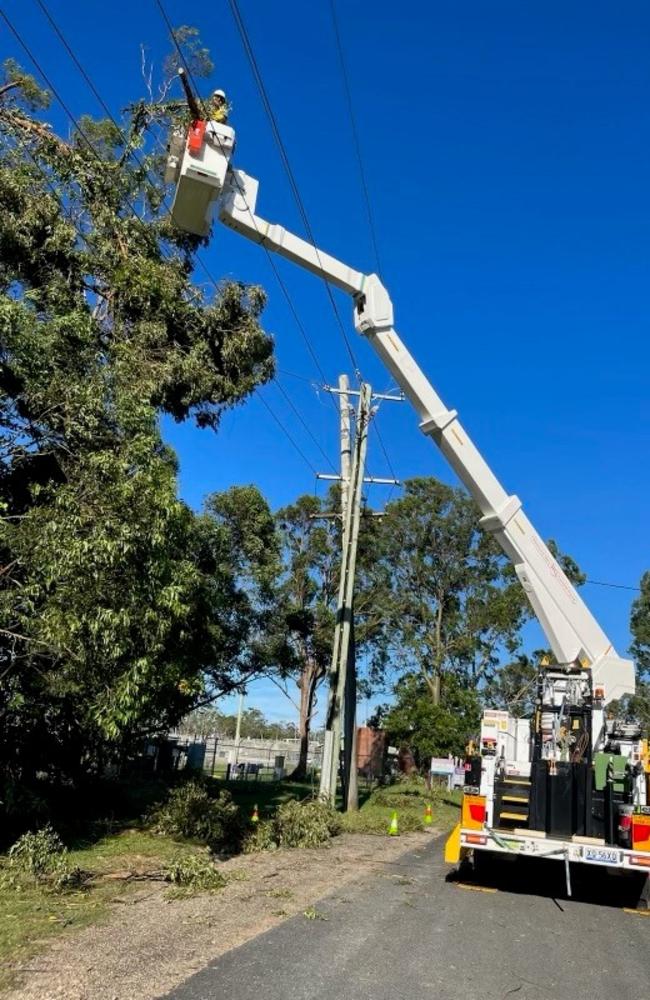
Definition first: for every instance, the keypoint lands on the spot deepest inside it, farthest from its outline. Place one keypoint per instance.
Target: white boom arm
(572, 631)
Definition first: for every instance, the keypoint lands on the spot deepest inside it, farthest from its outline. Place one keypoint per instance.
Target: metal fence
(256, 759)
(248, 759)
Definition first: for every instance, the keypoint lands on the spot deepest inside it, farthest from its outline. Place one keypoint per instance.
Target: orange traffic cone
(428, 815)
(392, 829)
(255, 818)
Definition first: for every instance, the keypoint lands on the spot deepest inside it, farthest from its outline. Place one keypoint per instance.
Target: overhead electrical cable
(272, 263)
(291, 439)
(268, 107)
(387, 458)
(355, 136)
(304, 423)
(92, 148)
(108, 112)
(364, 185)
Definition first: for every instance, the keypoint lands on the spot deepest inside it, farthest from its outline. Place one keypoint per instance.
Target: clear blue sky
(507, 148)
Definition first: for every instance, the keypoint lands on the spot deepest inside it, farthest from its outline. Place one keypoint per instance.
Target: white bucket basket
(200, 176)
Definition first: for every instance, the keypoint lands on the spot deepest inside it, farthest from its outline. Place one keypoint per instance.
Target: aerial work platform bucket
(198, 164)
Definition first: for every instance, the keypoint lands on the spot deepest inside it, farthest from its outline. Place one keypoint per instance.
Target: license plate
(603, 856)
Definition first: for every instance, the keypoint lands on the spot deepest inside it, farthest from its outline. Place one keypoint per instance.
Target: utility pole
(343, 629)
(238, 727)
(342, 675)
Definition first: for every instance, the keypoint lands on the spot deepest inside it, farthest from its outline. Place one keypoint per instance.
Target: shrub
(305, 824)
(35, 854)
(40, 858)
(295, 824)
(194, 871)
(262, 838)
(192, 813)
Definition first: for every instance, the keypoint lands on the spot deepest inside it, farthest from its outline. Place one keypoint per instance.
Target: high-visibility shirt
(218, 112)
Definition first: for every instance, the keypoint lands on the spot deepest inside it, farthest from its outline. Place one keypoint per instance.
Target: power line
(289, 436)
(364, 185)
(248, 49)
(615, 586)
(301, 378)
(387, 458)
(269, 256)
(99, 159)
(304, 423)
(355, 136)
(83, 72)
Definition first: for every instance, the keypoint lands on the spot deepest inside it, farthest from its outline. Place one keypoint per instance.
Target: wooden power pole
(341, 712)
(352, 463)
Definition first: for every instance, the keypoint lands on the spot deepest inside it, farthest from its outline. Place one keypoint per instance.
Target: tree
(455, 605)
(300, 640)
(427, 728)
(254, 725)
(306, 605)
(640, 628)
(115, 600)
(241, 530)
(513, 685)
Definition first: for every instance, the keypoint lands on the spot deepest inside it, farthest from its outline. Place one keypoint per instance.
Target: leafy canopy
(116, 600)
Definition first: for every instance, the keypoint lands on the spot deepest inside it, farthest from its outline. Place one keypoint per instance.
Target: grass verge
(409, 800)
(30, 915)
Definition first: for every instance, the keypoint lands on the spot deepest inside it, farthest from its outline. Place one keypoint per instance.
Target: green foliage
(429, 729)
(41, 858)
(254, 724)
(118, 604)
(298, 641)
(454, 601)
(635, 707)
(194, 872)
(24, 86)
(640, 628)
(192, 813)
(305, 824)
(34, 853)
(295, 824)
(261, 838)
(196, 56)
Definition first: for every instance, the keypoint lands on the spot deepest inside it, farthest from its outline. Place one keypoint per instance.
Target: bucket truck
(572, 784)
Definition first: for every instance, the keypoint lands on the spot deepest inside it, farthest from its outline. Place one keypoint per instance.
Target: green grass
(30, 916)
(266, 795)
(408, 800)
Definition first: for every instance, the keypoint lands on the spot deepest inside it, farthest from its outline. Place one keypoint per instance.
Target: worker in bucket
(218, 107)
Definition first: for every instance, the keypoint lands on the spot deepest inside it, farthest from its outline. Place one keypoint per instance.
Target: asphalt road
(411, 933)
